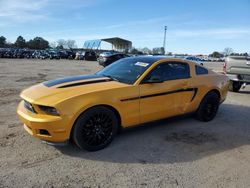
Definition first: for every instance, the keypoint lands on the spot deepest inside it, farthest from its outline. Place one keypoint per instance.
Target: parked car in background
(67, 54)
(43, 54)
(106, 54)
(54, 55)
(9, 53)
(194, 59)
(106, 59)
(37, 54)
(79, 55)
(90, 56)
(2, 51)
(90, 109)
(237, 68)
(82, 55)
(28, 53)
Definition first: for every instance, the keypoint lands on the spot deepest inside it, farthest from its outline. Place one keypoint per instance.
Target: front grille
(29, 107)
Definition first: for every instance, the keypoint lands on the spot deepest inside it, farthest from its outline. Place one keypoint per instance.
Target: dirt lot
(171, 153)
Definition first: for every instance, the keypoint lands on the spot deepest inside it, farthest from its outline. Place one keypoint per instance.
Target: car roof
(153, 59)
(147, 59)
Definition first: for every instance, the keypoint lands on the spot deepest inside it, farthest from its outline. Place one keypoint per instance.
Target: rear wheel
(208, 107)
(234, 86)
(95, 128)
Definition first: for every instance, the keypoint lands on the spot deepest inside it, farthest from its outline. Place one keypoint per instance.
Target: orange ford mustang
(89, 109)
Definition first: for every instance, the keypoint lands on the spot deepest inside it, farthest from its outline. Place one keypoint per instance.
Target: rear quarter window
(200, 70)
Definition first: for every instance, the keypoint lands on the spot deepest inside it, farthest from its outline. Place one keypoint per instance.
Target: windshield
(126, 70)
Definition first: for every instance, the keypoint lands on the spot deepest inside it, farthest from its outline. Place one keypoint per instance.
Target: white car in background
(194, 59)
(191, 58)
(103, 54)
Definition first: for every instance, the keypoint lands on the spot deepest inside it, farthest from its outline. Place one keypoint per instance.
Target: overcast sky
(193, 26)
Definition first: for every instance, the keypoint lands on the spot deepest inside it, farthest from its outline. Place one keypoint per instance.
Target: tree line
(37, 43)
(40, 43)
(227, 52)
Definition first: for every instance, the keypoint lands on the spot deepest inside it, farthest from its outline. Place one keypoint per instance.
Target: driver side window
(170, 71)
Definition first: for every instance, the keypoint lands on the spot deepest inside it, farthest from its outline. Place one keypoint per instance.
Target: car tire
(208, 107)
(234, 86)
(95, 128)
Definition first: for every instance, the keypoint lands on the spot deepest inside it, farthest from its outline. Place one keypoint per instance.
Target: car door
(169, 97)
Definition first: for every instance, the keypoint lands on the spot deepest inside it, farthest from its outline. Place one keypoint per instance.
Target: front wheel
(208, 107)
(95, 128)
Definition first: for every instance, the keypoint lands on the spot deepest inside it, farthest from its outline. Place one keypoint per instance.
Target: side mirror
(154, 79)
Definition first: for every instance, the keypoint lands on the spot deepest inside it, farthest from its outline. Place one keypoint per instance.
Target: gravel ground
(179, 152)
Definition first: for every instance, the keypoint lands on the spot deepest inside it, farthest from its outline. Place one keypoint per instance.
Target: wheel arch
(215, 91)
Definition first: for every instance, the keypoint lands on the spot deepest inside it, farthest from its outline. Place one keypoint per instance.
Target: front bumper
(239, 78)
(45, 127)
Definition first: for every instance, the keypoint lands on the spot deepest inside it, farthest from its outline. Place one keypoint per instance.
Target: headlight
(49, 110)
(29, 106)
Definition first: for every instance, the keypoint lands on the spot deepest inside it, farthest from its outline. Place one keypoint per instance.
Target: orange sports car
(89, 109)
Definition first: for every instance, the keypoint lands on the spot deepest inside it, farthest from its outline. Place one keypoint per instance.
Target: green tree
(2, 41)
(60, 47)
(20, 42)
(146, 50)
(38, 43)
(158, 51)
(169, 54)
(216, 55)
(135, 51)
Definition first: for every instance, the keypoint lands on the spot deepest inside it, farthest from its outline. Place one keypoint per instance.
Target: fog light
(44, 132)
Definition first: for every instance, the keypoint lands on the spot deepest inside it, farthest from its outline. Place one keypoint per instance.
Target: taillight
(225, 66)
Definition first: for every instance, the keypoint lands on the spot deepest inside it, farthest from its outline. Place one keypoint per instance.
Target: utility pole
(164, 41)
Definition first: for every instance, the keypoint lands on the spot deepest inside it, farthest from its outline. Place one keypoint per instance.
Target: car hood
(53, 92)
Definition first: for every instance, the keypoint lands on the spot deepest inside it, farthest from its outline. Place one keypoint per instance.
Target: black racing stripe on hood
(86, 82)
(70, 79)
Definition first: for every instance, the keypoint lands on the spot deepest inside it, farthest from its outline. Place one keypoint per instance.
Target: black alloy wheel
(95, 128)
(209, 107)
